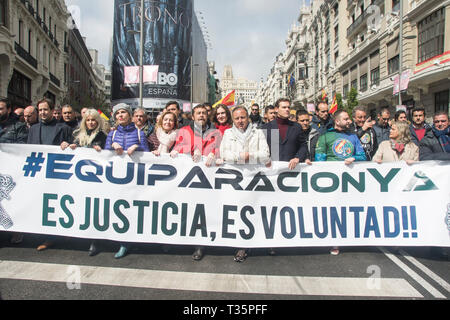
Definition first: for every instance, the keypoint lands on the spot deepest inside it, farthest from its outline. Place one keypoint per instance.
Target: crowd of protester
(223, 135)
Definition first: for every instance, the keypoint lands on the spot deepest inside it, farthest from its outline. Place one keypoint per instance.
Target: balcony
(362, 19)
(21, 52)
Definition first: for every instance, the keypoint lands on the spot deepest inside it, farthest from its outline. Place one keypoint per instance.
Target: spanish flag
(102, 115)
(324, 95)
(229, 100)
(334, 106)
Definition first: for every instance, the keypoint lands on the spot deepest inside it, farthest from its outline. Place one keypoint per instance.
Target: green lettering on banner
(46, 209)
(334, 178)
(121, 216)
(199, 222)
(170, 206)
(348, 179)
(69, 223)
(384, 181)
(141, 206)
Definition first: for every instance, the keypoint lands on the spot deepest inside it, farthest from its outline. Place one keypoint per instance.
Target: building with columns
(42, 54)
(31, 50)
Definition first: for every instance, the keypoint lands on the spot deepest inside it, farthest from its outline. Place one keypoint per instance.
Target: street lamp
(141, 56)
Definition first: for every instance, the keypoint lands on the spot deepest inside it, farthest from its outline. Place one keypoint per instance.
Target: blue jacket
(127, 137)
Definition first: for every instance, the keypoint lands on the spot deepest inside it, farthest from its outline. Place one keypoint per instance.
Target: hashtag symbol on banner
(33, 164)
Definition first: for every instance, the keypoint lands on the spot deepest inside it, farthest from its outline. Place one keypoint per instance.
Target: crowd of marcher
(223, 135)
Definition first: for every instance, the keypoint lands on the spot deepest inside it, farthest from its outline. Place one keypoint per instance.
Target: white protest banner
(145, 199)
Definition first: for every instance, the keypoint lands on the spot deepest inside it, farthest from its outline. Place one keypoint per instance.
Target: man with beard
(437, 146)
(419, 128)
(255, 117)
(197, 140)
(363, 128)
(12, 130)
(339, 144)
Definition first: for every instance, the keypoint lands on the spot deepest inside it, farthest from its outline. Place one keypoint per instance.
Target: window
(3, 13)
(431, 35)
(375, 76)
(441, 101)
(395, 5)
(363, 83)
(21, 33)
(354, 84)
(345, 91)
(393, 64)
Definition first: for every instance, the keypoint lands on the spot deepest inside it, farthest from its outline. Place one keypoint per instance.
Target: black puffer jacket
(431, 149)
(13, 131)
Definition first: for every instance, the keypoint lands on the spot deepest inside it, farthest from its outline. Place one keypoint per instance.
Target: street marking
(209, 282)
(413, 274)
(427, 271)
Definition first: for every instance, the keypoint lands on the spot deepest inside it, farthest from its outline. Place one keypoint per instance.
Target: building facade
(245, 90)
(42, 55)
(356, 44)
(31, 50)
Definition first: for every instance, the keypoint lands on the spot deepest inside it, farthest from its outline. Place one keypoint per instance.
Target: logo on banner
(420, 182)
(6, 186)
(343, 148)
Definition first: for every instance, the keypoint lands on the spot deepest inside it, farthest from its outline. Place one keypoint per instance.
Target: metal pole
(400, 45)
(141, 58)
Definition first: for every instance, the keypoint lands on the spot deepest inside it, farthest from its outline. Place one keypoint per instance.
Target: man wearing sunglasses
(436, 146)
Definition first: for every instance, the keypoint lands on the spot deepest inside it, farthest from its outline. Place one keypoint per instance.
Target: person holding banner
(291, 145)
(339, 144)
(197, 140)
(400, 146)
(242, 144)
(222, 118)
(89, 135)
(174, 107)
(126, 138)
(163, 139)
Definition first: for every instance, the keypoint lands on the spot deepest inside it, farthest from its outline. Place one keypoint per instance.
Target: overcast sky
(246, 34)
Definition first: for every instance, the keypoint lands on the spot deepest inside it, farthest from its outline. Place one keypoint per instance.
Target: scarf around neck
(443, 137)
(243, 136)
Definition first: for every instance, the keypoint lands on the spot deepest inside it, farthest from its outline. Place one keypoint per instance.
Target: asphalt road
(66, 272)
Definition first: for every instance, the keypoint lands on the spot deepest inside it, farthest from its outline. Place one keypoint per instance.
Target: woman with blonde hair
(164, 137)
(90, 135)
(399, 147)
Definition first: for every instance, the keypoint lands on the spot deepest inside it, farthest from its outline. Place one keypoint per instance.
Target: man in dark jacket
(304, 120)
(363, 128)
(435, 145)
(69, 117)
(48, 131)
(174, 107)
(11, 129)
(322, 120)
(382, 127)
(286, 139)
(255, 116)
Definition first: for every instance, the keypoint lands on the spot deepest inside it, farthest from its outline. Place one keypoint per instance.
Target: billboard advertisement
(167, 52)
